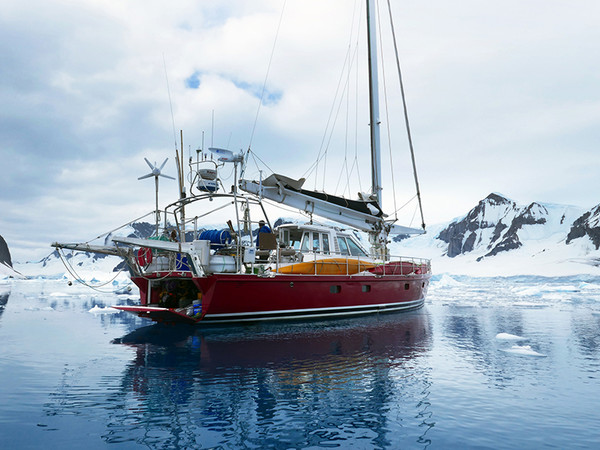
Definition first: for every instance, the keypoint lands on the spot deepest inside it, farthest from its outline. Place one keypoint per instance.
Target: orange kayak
(328, 266)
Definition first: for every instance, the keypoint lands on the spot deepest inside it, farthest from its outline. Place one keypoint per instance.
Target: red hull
(240, 298)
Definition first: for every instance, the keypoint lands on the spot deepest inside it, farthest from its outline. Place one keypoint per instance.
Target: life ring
(144, 256)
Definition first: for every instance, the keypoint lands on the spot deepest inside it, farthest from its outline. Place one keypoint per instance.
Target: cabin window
(343, 246)
(335, 289)
(284, 237)
(406, 286)
(316, 246)
(295, 237)
(326, 244)
(305, 241)
(366, 288)
(355, 250)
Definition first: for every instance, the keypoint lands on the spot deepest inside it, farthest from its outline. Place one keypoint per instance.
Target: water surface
(438, 377)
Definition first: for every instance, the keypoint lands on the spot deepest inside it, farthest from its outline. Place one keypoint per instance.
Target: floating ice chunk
(589, 286)
(546, 289)
(529, 304)
(58, 294)
(124, 290)
(509, 337)
(532, 291)
(522, 350)
(447, 281)
(99, 310)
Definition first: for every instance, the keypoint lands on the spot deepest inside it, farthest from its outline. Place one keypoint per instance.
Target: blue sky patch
(269, 98)
(193, 81)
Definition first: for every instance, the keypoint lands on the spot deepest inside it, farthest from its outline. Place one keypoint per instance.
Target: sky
(502, 97)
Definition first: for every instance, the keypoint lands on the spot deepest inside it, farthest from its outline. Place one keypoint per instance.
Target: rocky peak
(5, 253)
(587, 225)
(494, 224)
(462, 235)
(496, 199)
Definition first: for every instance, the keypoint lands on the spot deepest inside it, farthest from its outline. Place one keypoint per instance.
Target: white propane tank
(222, 264)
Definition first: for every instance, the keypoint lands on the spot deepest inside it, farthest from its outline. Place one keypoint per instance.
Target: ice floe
(529, 304)
(34, 308)
(522, 350)
(103, 310)
(509, 337)
(124, 290)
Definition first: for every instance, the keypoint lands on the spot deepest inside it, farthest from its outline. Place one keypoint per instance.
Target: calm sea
(445, 376)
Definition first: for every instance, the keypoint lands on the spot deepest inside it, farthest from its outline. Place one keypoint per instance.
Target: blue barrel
(217, 238)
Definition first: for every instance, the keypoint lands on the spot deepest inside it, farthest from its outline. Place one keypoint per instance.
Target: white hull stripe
(312, 312)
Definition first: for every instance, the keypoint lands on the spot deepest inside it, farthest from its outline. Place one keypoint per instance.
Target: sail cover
(364, 215)
(365, 207)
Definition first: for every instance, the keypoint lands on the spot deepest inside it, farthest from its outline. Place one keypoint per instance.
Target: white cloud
(501, 97)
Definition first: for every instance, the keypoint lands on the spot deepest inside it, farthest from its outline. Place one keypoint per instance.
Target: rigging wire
(344, 168)
(329, 128)
(262, 94)
(387, 114)
(170, 102)
(255, 157)
(77, 278)
(314, 167)
(410, 143)
(122, 226)
(405, 204)
(355, 162)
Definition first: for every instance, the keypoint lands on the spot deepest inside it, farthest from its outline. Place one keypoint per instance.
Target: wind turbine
(156, 172)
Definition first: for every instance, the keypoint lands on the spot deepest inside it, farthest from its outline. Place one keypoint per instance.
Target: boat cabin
(319, 240)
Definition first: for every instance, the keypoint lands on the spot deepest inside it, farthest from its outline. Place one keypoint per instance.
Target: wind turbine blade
(166, 176)
(163, 164)
(146, 176)
(149, 163)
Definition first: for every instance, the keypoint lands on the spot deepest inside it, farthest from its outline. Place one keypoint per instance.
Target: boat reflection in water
(352, 382)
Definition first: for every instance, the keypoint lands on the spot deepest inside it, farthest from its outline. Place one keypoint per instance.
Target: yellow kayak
(327, 266)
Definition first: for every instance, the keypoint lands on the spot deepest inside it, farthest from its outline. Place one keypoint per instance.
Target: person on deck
(262, 228)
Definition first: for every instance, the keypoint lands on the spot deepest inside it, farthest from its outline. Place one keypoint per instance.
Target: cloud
(501, 98)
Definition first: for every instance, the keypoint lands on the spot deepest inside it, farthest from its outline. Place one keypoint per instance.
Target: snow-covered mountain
(496, 237)
(498, 224)
(500, 237)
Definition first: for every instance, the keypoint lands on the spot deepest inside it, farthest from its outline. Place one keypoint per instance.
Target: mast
(378, 235)
(374, 101)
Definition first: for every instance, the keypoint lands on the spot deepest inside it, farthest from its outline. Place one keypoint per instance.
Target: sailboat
(251, 271)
